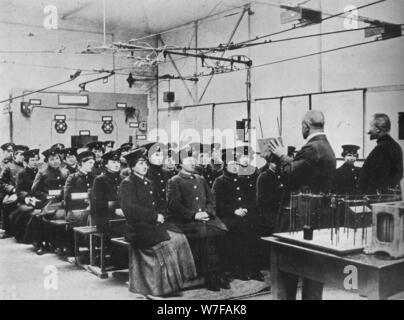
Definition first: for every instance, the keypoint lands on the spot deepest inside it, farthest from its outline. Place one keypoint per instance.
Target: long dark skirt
(162, 269)
(19, 219)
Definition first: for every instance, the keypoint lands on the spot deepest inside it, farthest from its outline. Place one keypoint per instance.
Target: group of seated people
(196, 212)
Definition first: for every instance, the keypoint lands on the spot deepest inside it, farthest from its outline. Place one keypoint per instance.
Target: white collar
(315, 134)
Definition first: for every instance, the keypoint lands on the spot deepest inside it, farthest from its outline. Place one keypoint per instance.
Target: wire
(241, 44)
(43, 89)
(75, 108)
(186, 25)
(300, 37)
(47, 66)
(319, 52)
(298, 57)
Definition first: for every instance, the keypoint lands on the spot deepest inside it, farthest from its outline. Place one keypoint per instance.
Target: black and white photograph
(220, 151)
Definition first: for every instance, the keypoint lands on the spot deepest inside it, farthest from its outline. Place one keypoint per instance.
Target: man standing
(383, 168)
(346, 176)
(313, 168)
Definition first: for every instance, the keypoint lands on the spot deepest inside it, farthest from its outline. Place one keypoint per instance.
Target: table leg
(76, 249)
(91, 243)
(102, 264)
(278, 284)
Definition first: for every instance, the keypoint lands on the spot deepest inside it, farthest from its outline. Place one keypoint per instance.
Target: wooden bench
(91, 231)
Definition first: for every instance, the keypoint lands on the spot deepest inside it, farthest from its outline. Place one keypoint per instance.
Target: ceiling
(139, 17)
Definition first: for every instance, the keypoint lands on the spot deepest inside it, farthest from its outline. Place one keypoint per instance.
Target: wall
(372, 65)
(30, 60)
(38, 129)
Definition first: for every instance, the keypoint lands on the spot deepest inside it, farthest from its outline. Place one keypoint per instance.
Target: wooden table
(376, 278)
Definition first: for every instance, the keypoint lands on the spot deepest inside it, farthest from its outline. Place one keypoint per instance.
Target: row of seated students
(201, 213)
(174, 212)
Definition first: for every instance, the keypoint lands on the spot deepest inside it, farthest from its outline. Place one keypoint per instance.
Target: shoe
(243, 276)
(224, 283)
(258, 276)
(40, 252)
(6, 236)
(212, 284)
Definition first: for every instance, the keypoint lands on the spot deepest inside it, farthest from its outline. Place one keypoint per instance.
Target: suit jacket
(48, 179)
(187, 195)
(346, 179)
(105, 199)
(268, 195)
(78, 182)
(383, 168)
(141, 204)
(313, 167)
(25, 179)
(231, 193)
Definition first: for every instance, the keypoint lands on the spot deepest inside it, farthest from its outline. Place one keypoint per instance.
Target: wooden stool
(91, 231)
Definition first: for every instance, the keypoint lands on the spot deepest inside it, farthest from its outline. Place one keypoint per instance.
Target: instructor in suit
(313, 168)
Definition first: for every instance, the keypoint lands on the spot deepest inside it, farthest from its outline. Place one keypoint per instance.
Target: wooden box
(388, 229)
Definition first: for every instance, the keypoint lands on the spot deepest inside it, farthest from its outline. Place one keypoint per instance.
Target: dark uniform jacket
(3, 163)
(172, 172)
(263, 169)
(78, 182)
(141, 203)
(268, 197)
(187, 195)
(8, 176)
(47, 179)
(159, 177)
(105, 198)
(383, 167)
(209, 173)
(25, 179)
(70, 168)
(346, 179)
(313, 167)
(98, 168)
(229, 193)
(248, 177)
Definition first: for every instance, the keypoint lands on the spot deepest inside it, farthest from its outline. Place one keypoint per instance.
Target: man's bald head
(314, 119)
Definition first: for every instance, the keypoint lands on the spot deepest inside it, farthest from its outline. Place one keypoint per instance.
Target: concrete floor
(24, 275)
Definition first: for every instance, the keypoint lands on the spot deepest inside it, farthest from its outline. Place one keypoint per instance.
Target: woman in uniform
(161, 259)
(237, 212)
